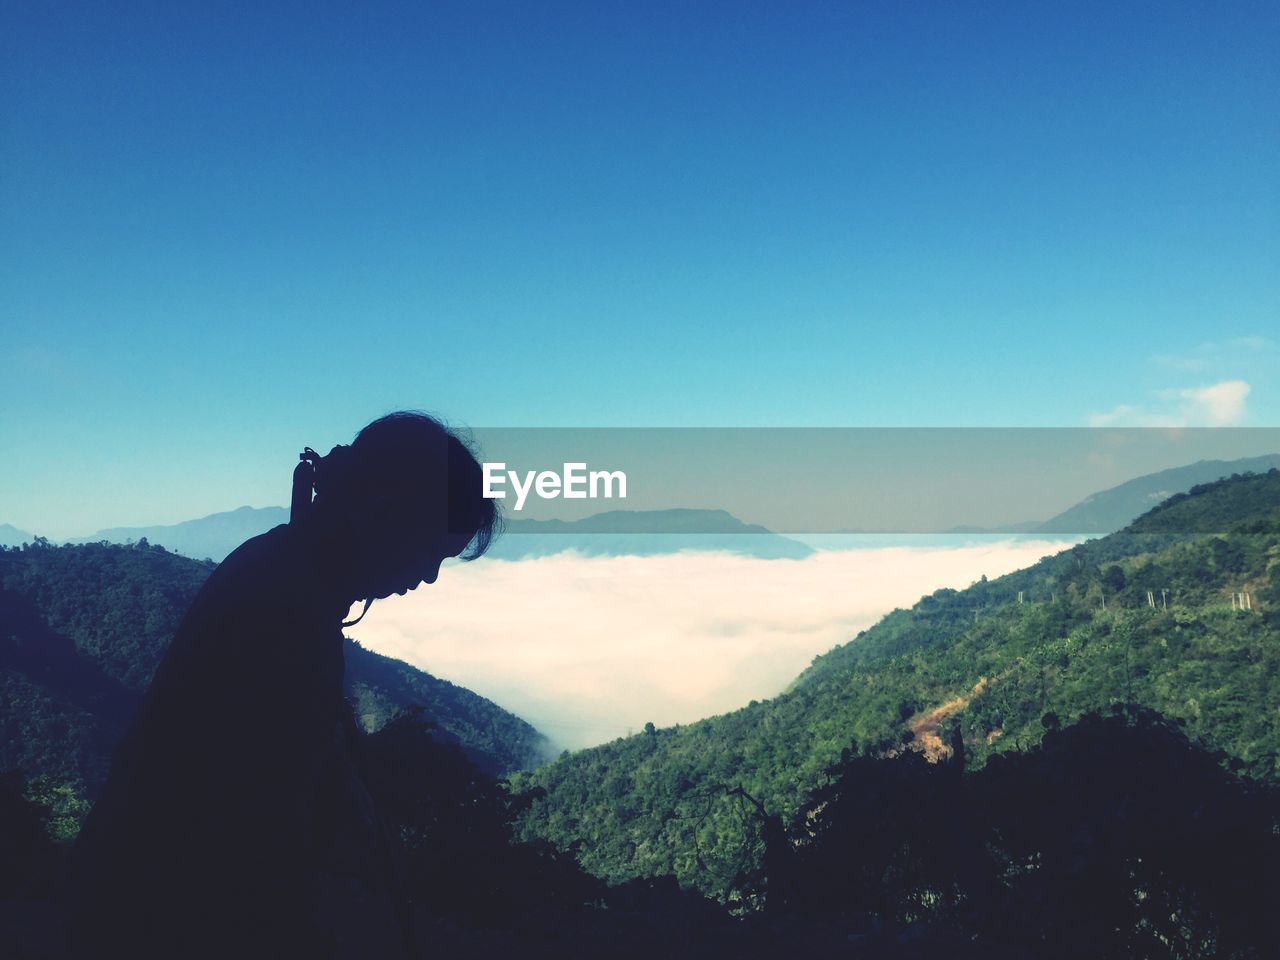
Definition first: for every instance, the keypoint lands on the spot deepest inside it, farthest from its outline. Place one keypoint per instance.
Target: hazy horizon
(817, 480)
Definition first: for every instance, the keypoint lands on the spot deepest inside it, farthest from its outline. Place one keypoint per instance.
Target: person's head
(405, 495)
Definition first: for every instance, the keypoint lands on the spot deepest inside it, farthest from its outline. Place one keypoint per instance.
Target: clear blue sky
(228, 233)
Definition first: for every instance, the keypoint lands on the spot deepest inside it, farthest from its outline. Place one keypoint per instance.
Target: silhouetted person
(235, 821)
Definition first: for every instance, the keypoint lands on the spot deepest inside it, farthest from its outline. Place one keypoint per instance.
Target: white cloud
(1216, 405)
(1221, 404)
(588, 649)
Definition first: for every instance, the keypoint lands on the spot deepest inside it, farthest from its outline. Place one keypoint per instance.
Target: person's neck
(325, 553)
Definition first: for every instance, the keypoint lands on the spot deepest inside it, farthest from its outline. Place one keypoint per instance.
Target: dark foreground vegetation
(1114, 837)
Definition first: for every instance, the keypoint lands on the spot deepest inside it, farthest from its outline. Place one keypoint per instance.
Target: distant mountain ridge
(205, 538)
(612, 533)
(652, 532)
(644, 533)
(1112, 509)
(11, 536)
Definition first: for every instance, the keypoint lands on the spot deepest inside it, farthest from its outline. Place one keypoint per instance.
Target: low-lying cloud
(590, 648)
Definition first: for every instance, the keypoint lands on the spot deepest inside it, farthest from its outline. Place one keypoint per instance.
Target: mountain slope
(11, 536)
(1110, 510)
(496, 741)
(82, 628)
(1085, 637)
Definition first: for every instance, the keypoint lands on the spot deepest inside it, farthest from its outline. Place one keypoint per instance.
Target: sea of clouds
(591, 648)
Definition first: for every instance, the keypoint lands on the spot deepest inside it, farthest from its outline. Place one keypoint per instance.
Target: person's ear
(377, 518)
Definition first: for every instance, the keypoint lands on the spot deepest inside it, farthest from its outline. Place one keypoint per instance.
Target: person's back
(228, 794)
(235, 820)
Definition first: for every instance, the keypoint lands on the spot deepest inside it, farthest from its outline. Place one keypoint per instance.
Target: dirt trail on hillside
(927, 726)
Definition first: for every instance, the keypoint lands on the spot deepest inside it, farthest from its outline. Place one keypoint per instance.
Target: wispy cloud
(1215, 405)
(588, 649)
(1119, 416)
(1183, 363)
(1258, 343)
(1215, 355)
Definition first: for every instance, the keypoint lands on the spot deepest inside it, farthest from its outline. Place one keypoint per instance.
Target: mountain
(1186, 623)
(82, 629)
(211, 537)
(11, 536)
(1024, 526)
(644, 533)
(1112, 509)
(613, 533)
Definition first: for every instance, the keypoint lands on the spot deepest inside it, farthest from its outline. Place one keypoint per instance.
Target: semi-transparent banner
(729, 481)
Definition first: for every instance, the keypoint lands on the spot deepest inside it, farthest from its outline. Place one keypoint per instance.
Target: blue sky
(228, 233)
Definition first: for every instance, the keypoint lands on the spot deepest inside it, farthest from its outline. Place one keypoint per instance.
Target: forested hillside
(82, 629)
(1179, 613)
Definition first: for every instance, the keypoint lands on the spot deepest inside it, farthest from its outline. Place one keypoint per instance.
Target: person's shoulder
(258, 560)
(260, 582)
(277, 540)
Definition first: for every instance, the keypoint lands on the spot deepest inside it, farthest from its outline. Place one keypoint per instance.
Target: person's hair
(413, 459)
